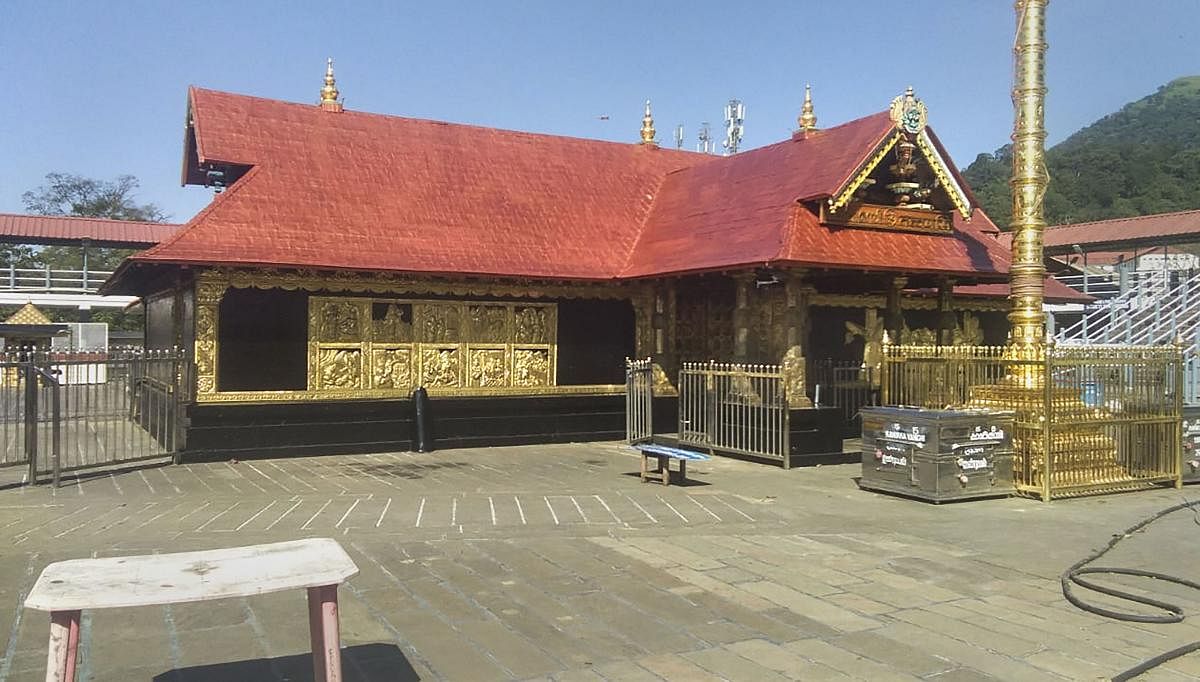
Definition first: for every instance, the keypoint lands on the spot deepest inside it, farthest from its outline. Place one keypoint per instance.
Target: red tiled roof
(363, 191)
(1054, 292)
(41, 229)
(746, 209)
(1125, 232)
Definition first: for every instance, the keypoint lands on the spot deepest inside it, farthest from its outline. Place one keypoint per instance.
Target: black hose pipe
(1173, 612)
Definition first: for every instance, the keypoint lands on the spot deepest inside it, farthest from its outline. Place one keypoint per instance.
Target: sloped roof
(42, 229)
(1125, 233)
(28, 314)
(365, 191)
(362, 191)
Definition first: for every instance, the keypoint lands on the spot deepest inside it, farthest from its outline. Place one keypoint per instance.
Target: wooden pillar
(795, 361)
(742, 316)
(946, 318)
(894, 316)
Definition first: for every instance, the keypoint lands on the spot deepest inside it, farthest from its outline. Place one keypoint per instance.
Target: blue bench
(664, 454)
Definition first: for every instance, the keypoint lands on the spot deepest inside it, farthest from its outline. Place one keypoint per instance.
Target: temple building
(351, 257)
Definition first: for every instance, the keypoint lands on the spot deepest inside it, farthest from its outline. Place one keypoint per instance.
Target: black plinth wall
(275, 430)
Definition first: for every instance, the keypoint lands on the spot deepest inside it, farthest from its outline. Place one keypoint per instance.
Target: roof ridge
(351, 113)
(83, 217)
(1115, 220)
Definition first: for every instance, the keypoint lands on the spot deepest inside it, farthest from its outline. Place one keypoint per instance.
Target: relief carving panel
(391, 368)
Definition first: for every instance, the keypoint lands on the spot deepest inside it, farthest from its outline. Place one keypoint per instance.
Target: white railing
(51, 280)
(1153, 308)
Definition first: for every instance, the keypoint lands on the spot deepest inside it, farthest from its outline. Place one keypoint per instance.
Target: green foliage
(1141, 160)
(65, 194)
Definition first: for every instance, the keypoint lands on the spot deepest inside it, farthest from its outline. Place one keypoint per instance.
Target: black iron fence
(61, 411)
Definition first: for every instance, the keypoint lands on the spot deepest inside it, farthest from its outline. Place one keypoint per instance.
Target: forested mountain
(1140, 160)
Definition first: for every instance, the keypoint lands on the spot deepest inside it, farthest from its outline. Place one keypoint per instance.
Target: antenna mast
(706, 141)
(735, 115)
(679, 136)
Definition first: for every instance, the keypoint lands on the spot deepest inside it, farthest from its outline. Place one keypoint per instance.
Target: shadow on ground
(363, 663)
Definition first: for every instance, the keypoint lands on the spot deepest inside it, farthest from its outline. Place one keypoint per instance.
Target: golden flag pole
(1029, 179)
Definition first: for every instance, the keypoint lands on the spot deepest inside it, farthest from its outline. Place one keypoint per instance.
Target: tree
(74, 195)
(66, 194)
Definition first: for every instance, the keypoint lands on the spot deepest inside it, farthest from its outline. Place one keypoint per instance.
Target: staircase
(1143, 309)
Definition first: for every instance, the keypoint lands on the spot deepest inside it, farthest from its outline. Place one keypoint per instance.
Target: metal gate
(639, 397)
(737, 408)
(847, 385)
(62, 411)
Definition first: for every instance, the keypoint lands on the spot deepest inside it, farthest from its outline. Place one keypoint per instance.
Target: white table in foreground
(65, 588)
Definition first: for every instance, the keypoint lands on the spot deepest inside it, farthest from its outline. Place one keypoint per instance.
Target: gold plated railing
(1107, 419)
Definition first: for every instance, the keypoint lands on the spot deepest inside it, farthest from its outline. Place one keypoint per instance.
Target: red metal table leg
(332, 634)
(64, 646)
(316, 633)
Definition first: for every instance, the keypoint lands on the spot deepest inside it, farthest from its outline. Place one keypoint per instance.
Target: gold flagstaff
(1030, 178)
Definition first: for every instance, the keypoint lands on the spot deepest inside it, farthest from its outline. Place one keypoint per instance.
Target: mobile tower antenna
(735, 115)
(706, 141)
(679, 136)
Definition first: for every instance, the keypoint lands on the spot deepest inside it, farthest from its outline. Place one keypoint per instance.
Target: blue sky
(98, 88)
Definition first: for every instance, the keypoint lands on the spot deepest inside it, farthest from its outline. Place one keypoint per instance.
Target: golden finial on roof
(808, 119)
(329, 93)
(648, 127)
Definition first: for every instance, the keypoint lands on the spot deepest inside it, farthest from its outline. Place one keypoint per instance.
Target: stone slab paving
(556, 562)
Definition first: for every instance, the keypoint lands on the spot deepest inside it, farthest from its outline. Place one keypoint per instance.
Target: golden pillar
(1029, 178)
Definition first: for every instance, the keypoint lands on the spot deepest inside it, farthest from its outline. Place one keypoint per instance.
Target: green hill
(1140, 160)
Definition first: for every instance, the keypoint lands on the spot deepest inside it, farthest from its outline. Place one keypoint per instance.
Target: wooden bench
(664, 454)
(65, 588)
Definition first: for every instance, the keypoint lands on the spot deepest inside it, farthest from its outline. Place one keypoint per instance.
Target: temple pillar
(947, 321)
(662, 321)
(208, 301)
(893, 320)
(795, 362)
(742, 316)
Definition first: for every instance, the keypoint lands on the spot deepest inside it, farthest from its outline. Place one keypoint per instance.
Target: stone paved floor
(556, 562)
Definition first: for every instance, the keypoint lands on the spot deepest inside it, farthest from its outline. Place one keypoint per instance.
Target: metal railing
(847, 385)
(639, 400)
(1089, 419)
(51, 280)
(735, 408)
(61, 411)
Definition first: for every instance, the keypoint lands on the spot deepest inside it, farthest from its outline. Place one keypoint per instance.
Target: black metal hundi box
(937, 455)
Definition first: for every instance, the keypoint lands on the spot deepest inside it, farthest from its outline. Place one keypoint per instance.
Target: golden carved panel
(488, 366)
(439, 322)
(532, 324)
(392, 368)
(488, 323)
(340, 320)
(339, 368)
(391, 322)
(441, 367)
(531, 367)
